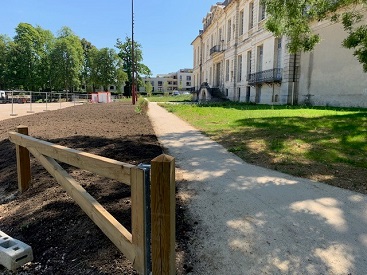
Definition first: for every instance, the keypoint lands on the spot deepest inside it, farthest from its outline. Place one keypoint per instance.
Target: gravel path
(253, 220)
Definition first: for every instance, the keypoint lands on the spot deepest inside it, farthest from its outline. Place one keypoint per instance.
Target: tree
(108, 69)
(67, 60)
(148, 88)
(89, 51)
(47, 42)
(26, 52)
(292, 18)
(4, 44)
(125, 53)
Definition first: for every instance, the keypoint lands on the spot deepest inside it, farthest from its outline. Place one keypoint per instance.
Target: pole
(12, 104)
(132, 55)
(46, 101)
(30, 104)
(23, 163)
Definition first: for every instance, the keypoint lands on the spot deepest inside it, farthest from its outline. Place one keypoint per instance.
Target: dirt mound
(63, 238)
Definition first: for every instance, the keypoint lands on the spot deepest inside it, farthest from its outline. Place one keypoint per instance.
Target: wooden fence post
(23, 163)
(163, 203)
(137, 219)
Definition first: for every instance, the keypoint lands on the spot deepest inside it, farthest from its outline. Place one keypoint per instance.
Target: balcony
(215, 50)
(268, 76)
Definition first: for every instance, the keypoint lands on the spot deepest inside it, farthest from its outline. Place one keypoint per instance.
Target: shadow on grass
(332, 149)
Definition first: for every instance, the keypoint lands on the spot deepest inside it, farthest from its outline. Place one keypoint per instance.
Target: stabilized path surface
(253, 220)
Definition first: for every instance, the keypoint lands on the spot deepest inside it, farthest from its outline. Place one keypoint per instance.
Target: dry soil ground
(63, 238)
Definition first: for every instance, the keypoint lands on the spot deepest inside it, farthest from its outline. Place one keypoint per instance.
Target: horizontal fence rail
(152, 198)
(106, 167)
(132, 245)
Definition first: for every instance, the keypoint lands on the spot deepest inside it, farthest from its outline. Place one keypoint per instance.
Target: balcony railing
(268, 76)
(215, 49)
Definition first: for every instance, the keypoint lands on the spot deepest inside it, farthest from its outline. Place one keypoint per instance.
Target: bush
(142, 106)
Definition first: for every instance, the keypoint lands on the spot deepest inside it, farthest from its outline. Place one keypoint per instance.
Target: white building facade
(177, 81)
(237, 57)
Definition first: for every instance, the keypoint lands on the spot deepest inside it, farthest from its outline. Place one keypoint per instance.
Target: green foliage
(292, 19)
(148, 88)
(67, 59)
(357, 40)
(37, 60)
(125, 53)
(107, 68)
(142, 106)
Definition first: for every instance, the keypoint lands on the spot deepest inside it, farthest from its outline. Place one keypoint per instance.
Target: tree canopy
(125, 53)
(37, 60)
(293, 17)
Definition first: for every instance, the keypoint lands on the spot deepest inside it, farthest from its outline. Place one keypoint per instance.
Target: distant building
(234, 57)
(177, 81)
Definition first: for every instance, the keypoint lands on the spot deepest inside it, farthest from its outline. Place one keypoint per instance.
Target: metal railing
(215, 49)
(267, 76)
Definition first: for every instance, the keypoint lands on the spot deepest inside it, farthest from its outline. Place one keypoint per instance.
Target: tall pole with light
(133, 89)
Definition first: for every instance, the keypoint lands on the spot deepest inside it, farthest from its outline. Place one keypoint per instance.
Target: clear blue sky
(164, 28)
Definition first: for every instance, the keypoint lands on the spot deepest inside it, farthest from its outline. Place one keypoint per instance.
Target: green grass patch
(283, 134)
(170, 98)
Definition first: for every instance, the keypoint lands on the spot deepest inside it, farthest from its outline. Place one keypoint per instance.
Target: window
(210, 75)
(260, 56)
(188, 83)
(112, 87)
(239, 77)
(227, 70)
(160, 83)
(261, 12)
(249, 61)
(278, 52)
(232, 70)
(204, 52)
(241, 23)
(188, 78)
(251, 16)
(229, 30)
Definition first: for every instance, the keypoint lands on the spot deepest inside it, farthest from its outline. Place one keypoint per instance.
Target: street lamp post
(133, 89)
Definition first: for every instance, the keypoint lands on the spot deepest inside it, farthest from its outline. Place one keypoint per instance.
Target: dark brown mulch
(64, 240)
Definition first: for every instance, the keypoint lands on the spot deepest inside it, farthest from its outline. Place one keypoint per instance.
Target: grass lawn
(323, 144)
(159, 98)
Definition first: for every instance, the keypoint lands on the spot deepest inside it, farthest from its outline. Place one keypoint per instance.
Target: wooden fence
(133, 245)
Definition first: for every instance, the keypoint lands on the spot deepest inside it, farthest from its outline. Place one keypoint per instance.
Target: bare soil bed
(64, 240)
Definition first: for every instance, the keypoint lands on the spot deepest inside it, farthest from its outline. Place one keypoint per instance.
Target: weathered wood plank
(100, 165)
(117, 233)
(163, 214)
(137, 218)
(23, 162)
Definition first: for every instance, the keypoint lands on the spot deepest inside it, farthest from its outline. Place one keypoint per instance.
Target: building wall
(330, 75)
(234, 29)
(180, 80)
